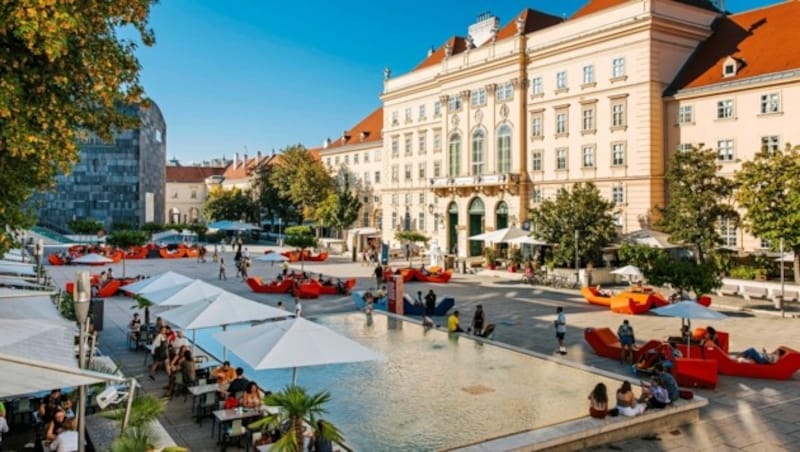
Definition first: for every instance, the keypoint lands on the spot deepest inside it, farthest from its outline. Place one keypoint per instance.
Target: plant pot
(491, 266)
(512, 268)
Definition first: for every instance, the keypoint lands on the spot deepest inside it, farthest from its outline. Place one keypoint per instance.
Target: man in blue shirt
(669, 382)
(561, 329)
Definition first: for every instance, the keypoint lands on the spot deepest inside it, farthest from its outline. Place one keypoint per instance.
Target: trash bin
(777, 301)
(449, 262)
(463, 266)
(96, 312)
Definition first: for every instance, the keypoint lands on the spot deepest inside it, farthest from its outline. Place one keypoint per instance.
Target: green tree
(271, 201)
(643, 256)
(300, 237)
(136, 436)
(301, 178)
(698, 198)
(152, 228)
(580, 209)
(199, 229)
(296, 407)
(768, 188)
(410, 238)
(125, 239)
(233, 204)
(684, 274)
(341, 208)
(86, 226)
(66, 70)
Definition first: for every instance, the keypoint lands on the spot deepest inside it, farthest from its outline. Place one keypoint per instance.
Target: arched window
(478, 139)
(504, 149)
(454, 155)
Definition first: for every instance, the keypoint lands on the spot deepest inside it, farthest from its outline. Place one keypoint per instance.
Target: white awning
(25, 376)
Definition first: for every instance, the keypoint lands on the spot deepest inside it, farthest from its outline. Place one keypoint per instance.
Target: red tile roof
(594, 6)
(370, 127)
(762, 41)
(534, 21)
(245, 168)
(192, 173)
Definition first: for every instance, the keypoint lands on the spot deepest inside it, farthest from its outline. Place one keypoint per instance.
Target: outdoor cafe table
(222, 417)
(197, 395)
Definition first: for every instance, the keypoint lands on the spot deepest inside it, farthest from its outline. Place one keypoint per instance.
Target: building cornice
(757, 81)
(378, 144)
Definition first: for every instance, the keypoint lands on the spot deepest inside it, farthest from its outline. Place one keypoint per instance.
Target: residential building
(739, 93)
(187, 188)
(120, 181)
(358, 153)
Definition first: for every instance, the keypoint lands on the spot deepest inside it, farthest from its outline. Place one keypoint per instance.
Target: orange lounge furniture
(636, 302)
(109, 289)
(783, 369)
(138, 252)
(695, 372)
(318, 258)
(258, 286)
(166, 254)
(192, 252)
(334, 290)
(308, 290)
(606, 344)
(433, 277)
(592, 295)
(723, 338)
(54, 260)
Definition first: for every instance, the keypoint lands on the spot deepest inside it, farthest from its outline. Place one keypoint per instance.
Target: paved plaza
(743, 414)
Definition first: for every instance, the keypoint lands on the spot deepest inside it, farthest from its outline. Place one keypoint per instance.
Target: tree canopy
(271, 201)
(411, 237)
(698, 198)
(659, 268)
(768, 188)
(65, 72)
(299, 177)
(341, 208)
(233, 204)
(580, 209)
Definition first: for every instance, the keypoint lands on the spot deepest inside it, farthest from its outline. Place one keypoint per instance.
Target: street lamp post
(577, 259)
(783, 311)
(81, 296)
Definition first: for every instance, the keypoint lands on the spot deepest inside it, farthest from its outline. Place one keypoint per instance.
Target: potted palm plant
(515, 256)
(489, 255)
(296, 407)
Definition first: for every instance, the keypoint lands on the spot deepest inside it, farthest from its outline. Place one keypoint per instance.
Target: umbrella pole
(688, 340)
(224, 348)
(294, 376)
(193, 331)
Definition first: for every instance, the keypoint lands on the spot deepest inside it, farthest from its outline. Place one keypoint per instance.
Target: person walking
(626, 340)
(478, 321)
(222, 269)
(378, 275)
(561, 329)
(298, 308)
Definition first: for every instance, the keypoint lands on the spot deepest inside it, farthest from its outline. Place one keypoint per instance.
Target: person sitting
(67, 439)
(598, 401)
(180, 341)
(231, 401)
(668, 382)
(109, 274)
(627, 340)
(135, 328)
(318, 442)
(224, 374)
(239, 384)
(252, 396)
(604, 292)
(478, 321)
(56, 424)
(655, 394)
(103, 278)
(627, 403)
(430, 302)
(340, 287)
(452, 323)
(66, 403)
(711, 336)
(751, 355)
(427, 321)
(424, 270)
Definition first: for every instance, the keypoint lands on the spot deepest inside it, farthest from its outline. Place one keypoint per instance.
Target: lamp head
(81, 295)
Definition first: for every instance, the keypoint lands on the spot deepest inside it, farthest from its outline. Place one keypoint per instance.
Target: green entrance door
(452, 228)
(476, 216)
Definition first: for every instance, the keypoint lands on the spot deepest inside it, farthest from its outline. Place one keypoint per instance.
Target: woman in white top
(67, 440)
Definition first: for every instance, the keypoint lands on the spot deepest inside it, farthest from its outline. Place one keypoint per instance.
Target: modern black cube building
(113, 182)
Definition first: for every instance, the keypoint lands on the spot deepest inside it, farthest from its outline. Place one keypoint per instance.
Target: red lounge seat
(109, 289)
(695, 372)
(783, 369)
(54, 260)
(606, 344)
(318, 258)
(137, 253)
(308, 290)
(257, 285)
(636, 302)
(433, 278)
(178, 253)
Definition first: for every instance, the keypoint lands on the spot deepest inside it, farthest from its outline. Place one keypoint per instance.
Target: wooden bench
(788, 295)
(728, 289)
(754, 292)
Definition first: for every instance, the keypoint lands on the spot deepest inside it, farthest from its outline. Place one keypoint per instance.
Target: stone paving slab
(764, 409)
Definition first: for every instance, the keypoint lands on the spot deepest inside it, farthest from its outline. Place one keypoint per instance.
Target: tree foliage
(85, 226)
(580, 209)
(66, 70)
(301, 178)
(768, 188)
(234, 204)
(698, 198)
(125, 239)
(341, 208)
(411, 237)
(659, 268)
(298, 406)
(300, 237)
(271, 201)
(643, 256)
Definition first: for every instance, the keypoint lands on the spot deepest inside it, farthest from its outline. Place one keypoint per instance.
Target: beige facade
(187, 188)
(736, 119)
(475, 139)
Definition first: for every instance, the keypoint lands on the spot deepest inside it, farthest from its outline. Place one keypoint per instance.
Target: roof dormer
(730, 67)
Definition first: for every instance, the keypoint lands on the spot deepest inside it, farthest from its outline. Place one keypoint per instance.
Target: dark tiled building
(119, 182)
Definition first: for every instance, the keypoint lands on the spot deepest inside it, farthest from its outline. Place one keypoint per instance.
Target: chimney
(258, 156)
(325, 143)
(363, 136)
(244, 160)
(430, 51)
(236, 160)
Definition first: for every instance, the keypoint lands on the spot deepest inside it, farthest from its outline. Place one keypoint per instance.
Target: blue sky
(265, 74)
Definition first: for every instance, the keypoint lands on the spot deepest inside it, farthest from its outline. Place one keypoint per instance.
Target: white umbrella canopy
(689, 310)
(500, 235)
(92, 259)
(225, 308)
(272, 257)
(48, 340)
(628, 270)
(16, 268)
(156, 283)
(525, 240)
(182, 294)
(294, 343)
(227, 225)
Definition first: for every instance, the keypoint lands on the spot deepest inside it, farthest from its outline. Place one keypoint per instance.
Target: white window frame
(771, 143)
(618, 154)
(537, 123)
(537, 86)
(395, 147)
(537, 157)
(454, 103)
(726, 150)
(588, 74)
(728, 232)
(395, 173)
(725, 109)
(408, 172)
(618, 67)
(618, 114)
(561, 80)
(478, 97)
(422, 143)
(618, 194)
(422, 112)
(562, 159)
(770, 103)
(408, 145)
(685, 114)
(504, 92)
(588, 119)
(437, 109)
(478, 152)
(437, 141)
(562, 122)
(421, 170)
(587, 156)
